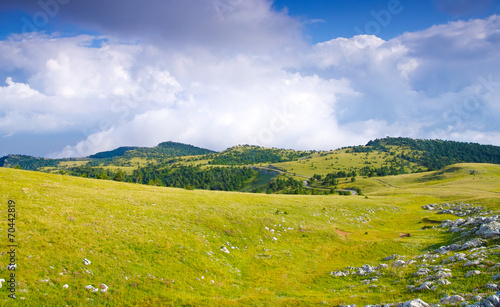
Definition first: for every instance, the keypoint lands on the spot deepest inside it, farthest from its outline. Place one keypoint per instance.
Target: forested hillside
(120, 151)
(435, 154)
(188, 177)
(245, 155)
(28, 162)
(167, 149)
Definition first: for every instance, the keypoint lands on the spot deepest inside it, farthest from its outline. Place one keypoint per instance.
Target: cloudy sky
(79, 77)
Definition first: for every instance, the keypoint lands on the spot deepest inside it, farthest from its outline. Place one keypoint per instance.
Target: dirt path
(342, 233)
(353, 192)
(385, 183)
(279, 171)
(306, 184)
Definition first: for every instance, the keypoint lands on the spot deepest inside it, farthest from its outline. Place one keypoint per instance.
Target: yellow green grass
(322, 163)
(157, 246)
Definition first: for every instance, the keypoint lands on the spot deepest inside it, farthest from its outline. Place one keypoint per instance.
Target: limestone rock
(415, 303)
(452, 299)
(491, 286)
(489, 230)
(472, 273)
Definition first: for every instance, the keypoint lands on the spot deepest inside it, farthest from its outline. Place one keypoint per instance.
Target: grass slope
(161, 246)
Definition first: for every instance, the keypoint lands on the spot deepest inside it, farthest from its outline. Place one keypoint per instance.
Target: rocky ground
(472, 260)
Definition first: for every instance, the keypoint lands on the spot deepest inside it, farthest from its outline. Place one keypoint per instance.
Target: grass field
(156, 246)
(322, 163)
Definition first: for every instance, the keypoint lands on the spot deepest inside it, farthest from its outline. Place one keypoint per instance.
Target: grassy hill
(157, 246)
(265, 170)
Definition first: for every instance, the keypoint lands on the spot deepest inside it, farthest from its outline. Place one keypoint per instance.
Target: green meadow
(158, 246)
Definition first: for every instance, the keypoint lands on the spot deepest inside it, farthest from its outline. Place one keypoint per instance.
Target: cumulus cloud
(235, 101)
(110, 90)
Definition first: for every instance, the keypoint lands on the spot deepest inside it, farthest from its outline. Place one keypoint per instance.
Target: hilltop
(142, 245)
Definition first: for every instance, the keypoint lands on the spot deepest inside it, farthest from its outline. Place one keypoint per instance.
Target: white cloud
(345, 91)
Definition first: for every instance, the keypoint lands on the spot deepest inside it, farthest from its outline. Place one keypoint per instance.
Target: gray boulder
(415, 303)
(424, 286)
(489, 230)
(391, 257)
(472, 243)
(472, 273)
(452, 299)
(492, 301)
(491, 286)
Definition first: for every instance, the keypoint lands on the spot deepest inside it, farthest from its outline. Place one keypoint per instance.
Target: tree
(119, 176)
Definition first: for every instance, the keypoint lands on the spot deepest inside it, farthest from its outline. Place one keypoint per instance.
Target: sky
(80, 77)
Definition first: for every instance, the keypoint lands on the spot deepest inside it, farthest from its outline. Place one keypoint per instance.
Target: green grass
(162, 246)
(323, 163)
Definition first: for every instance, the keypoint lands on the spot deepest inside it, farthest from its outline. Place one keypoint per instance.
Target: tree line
(255, 155)
(189, 177)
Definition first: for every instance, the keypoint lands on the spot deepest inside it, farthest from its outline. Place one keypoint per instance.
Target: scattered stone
(442, 275)
(489, 230)
(415, 303)
(472, 243)
(452, 299)
(339, 273)
(454, 247)
(90, 287)
(480, 227)
(392, 257)
(477, 298)
(421, 272)
(446, 223)
(491, 286)
(430, 207)
(224, 249)
(365, 270)
(424, 286)
(455, 258)
(442, 250)
(1, 281)
(444, 282)
(104, 288)
(492, 301)
(472, 273)
(472, 263)
(86, 261)
(447, 211)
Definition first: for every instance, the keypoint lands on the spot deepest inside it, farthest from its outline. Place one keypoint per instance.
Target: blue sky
(329, 19)
(78, 77)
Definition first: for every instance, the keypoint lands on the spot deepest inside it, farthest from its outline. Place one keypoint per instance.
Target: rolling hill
(105, 243)
(265, 170)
